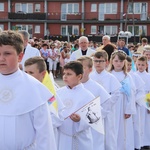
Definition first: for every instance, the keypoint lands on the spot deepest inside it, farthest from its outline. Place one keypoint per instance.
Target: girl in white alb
(125, 106)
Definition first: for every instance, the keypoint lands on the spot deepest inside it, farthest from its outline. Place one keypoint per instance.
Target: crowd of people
(32, 106)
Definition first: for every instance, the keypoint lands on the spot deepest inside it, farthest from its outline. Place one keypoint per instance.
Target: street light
(125, 34)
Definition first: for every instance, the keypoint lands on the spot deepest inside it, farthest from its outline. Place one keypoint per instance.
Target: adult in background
(44, 53)
(141, 47)
(109, 48)
(121, 46)
(105, 41)
(53, 59)
(64, 58)
(29, 51)
(83, 49)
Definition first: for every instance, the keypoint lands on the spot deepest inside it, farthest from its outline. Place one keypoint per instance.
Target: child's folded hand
(75, 117)
(126, 116)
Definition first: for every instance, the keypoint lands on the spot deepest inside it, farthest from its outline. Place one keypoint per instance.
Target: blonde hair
(122, 56)
(87, 59)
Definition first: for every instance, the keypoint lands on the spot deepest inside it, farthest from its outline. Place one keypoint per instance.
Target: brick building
(76, 17)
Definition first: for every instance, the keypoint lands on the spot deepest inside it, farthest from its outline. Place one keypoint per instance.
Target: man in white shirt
(83, 49)
(29, 51)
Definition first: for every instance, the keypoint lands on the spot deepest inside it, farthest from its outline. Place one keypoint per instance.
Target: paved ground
(59, 81)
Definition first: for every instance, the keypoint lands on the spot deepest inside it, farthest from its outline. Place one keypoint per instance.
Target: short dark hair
(12, 38)
(129, 59)
(41, 65)
(44, 44)
(142, 58)
(109, 48)
(75, 66)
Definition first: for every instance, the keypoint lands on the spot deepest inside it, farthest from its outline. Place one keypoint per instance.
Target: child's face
(141, 65)
(147, 54)
(118, 64)
(129, 66)
(70, 78)
(99, 64)
(9, 59)
(34, 71)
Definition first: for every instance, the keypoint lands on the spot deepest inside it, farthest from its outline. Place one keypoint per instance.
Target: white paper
(91, 113)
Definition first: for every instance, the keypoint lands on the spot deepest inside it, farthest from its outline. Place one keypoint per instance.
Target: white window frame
(2, 26)
(18, 7)
(37, 8)
(111, 30)
(73, 10)
(75, 27)
(112, 11)
(37, 29)
(2, 7)
(134, 9)
(139, 7)
(93, 7)
(93, 29)
(140, 29)
(66, 29)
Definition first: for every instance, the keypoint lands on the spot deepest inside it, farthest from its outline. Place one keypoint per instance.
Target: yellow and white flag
(49, 84)
(146, 101)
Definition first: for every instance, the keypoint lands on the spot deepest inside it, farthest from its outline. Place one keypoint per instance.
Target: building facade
(75, 18)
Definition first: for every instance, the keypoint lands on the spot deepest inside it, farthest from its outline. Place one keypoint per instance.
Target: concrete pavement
(59, 81)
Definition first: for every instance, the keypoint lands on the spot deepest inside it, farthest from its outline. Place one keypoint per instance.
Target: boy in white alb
(146, 52)
(74, 133)
(36, 67)
(25, 121)
(97, 90)
(145, 114)
(112, 86)
(139, 95)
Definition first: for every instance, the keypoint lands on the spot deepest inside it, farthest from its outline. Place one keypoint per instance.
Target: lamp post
(125, 34)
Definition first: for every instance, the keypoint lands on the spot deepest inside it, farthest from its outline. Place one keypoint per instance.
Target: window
(93, 30)
(76, 8)
(110, 30)
(110, 8)
(130, 8)
(101, 30)
(93, 8)
(137, 8)
(24, 7)
(70, 8)
(2, 26)
(37, 7)
(37, 29)
(138, 30)
(1, 6)
(72, 30)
